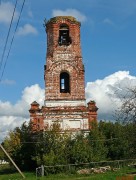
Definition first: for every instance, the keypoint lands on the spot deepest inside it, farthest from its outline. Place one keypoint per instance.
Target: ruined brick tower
(64, 80)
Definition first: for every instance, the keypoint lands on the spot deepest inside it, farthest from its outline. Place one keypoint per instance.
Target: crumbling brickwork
(64, 80)
(64, 58)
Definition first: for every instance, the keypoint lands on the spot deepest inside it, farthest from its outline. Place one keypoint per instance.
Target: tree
(126, 115)
(21, 146)
(127, 111)
(116, 142)
(51, 148)
(12, 142)
(130, 132)
(2, 156)
(97, 143)
(78, 149)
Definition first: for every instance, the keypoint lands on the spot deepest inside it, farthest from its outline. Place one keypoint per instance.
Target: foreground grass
(106, 176)
(8, 174)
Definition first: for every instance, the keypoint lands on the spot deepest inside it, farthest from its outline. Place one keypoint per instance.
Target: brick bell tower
(64, 80)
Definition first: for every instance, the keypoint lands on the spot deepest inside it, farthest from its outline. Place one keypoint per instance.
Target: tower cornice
(58, 19)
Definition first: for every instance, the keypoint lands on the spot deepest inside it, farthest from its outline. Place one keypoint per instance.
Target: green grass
(106, 176)
(10, 174)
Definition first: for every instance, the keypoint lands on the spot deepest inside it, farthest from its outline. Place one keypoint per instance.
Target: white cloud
(70, 12)
(8, 123)
(106, 92)
(13, 115)
(29, 94)
(27, 29)
(6, 11)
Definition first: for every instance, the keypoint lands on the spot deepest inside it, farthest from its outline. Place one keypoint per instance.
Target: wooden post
(42, 169)
(12, 161)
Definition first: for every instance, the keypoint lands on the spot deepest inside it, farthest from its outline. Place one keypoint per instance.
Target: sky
(108, 43)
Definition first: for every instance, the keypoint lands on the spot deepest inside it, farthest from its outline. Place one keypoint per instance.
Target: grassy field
(8, 174)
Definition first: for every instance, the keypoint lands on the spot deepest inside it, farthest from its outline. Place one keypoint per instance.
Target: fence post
(69, 168)
(42, 170)
(118, 164)
(36, 173)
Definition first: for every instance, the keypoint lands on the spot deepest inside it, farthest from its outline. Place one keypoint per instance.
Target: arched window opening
(64, 38)
(64, 83)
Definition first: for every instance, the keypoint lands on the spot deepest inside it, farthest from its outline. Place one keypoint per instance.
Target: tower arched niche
(64, 37)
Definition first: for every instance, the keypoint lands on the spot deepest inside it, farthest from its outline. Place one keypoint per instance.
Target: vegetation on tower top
(59, 18)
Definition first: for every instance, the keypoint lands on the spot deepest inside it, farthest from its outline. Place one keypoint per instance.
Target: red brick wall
(64, 58)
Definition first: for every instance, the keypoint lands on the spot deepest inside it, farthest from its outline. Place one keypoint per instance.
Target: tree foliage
(20, 146)
(116, 141)
(105, 141)
(97, 143)
(127, 111)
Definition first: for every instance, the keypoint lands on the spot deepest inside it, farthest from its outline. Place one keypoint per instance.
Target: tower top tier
(63, 32)
(58, 19)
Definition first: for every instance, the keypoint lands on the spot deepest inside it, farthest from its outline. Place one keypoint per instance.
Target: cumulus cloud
(27, 29)
(22, 106)
(6, 11)
(8, 123)
(13, 115)
(70, 12)
(107, 92)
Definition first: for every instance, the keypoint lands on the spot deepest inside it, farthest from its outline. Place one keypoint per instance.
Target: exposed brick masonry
(65, 105)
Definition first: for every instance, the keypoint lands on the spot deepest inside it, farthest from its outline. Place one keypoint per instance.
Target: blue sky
(108, 42)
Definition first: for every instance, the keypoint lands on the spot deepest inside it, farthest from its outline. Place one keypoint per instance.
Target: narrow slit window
(64, 83)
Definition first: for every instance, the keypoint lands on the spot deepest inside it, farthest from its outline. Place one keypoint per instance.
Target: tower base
(70, 118)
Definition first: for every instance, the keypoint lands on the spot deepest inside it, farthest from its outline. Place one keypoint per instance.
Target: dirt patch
(130, 177)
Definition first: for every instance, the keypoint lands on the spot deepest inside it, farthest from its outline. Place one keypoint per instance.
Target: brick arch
(66, 22)
(63, 25)
(65, 71)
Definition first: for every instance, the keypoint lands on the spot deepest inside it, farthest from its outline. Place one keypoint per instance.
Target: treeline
(105, 141)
